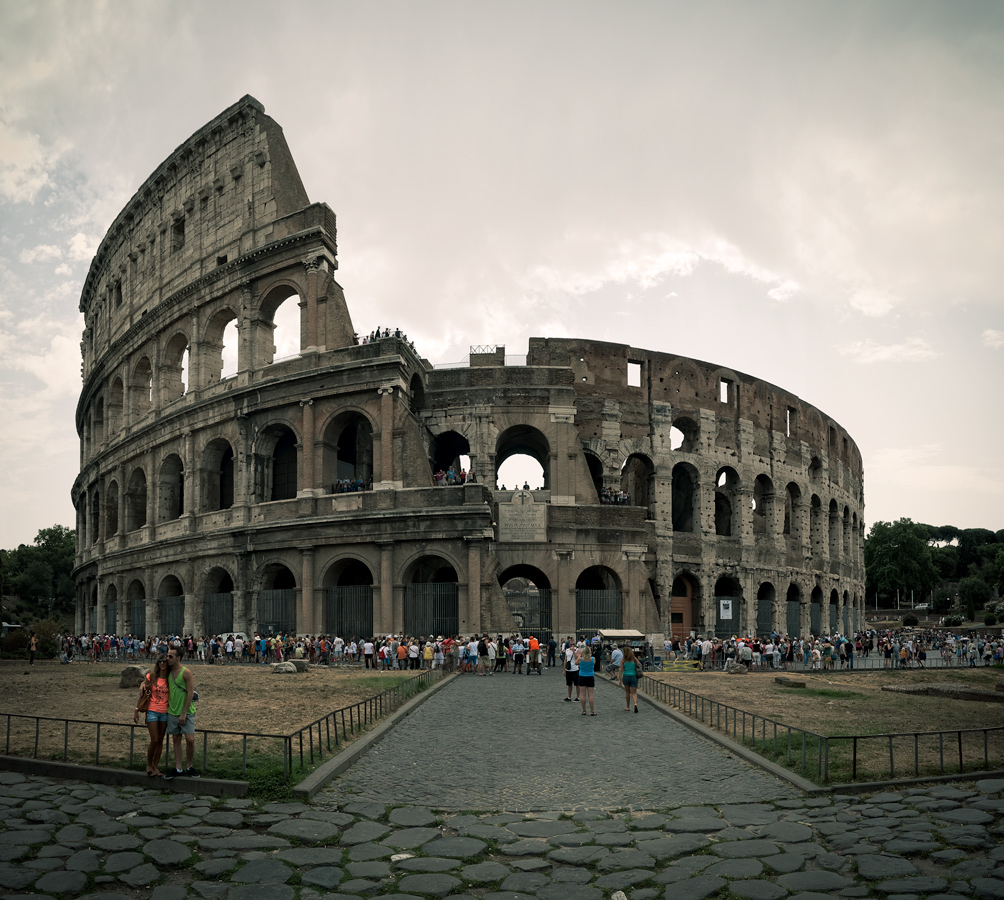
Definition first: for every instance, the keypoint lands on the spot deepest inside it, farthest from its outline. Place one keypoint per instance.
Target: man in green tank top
(180, 713)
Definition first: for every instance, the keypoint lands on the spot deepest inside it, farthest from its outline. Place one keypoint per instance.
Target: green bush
(953, 621)
(909, 620)
(990, 619)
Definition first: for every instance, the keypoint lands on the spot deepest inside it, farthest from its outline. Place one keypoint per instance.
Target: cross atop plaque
(521, 520)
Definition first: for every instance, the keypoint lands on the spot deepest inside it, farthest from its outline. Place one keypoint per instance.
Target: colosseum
(222, 488)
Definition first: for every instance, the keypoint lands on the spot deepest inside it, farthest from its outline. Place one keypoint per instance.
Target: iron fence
(222, 753)
(854, 757)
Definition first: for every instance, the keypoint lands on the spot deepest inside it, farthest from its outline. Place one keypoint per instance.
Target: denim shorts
(156, 716)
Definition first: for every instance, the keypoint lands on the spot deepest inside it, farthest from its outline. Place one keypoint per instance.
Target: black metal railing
(826, 757)
(223, 753)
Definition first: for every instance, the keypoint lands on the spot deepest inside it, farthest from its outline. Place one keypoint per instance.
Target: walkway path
(511, 742)
(713, 826)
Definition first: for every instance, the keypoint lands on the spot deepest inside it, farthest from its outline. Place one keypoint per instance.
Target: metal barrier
(978, 749)
(332, 731)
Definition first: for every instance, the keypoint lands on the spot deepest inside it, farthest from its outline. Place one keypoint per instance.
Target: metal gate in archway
(814, 619)
(432, 608)
(764, 616)
(728, 613)
(531, 610)
(833, 618)
(596, 610)
(111, 618)
(137, 618)
(172, 615)
(348, 611)
(794, 621)
(218, 613)
(277, 611)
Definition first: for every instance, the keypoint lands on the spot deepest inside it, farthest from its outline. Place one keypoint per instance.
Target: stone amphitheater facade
(206, 499)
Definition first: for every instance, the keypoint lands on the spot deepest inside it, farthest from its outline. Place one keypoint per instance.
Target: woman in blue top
(587, 680)
(628, 676)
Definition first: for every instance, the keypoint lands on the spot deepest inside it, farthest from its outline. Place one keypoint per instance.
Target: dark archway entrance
(348, 600)
(528, 594)
(432, 599)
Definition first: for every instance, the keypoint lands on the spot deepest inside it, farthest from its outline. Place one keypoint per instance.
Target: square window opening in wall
(178, 235)
(221, 260)
(725, 390)
(634, 374)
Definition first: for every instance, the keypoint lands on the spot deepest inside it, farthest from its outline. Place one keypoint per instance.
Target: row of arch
(192, 356)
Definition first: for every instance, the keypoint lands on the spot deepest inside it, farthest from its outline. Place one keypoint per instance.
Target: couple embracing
(167, 697)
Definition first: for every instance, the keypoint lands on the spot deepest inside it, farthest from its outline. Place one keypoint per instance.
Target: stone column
(386, 438)
(385, 609)
(473, 613)
(305, 614)
(635, 617)
(564, 597)
(189, 480)
(307, 449)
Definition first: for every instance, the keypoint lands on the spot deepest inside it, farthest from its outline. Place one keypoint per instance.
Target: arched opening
(348, 453)
(432, 598)
(815, 470)
(283, 464)
(111, 508)
(135, 506)
(95, 516)
(638, 481)
(527, 591)
(116, 397)
(112, 611)
(815, 526)
(171, 493)
(595, 472)
(684, 605)
(763, 502)
(528, 455)
(216, 476)
(793, 611)
(834, 620)
(136, 607)
(277, 600)
(416, 393)
(598, 601)
(685, 486)
(816, 611)
(684, 435)
(846, 534)
(99, 421)
(171, 599)
(348, 600)
(220, 347)
(765, 597)
(834, 530)
(847, 626)
(279, 337)
(141, 389)
(728, 606)
(450, 455)
(218, 602)
(792, 504)
(727, 502)
(174, 368)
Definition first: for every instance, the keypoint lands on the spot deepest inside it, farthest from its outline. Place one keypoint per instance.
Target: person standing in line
(572, 671)
(587, 680)
(32, 649)
(627, 677)
(181, 713)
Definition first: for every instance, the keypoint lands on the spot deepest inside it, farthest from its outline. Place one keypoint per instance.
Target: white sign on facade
(726, 609)
(522, 520)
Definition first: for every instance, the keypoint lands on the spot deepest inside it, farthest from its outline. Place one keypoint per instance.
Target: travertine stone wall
(210, 498)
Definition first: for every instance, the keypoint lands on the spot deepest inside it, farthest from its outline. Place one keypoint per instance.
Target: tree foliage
(40, 573)
(898, 556)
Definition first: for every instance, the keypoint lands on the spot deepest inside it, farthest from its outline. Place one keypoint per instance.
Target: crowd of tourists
(378, 334)
(451, 476)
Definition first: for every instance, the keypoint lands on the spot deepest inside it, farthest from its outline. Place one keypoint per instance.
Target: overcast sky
(811, 193)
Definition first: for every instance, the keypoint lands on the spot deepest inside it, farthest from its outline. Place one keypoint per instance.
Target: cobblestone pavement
(732, 839)
(66, 839)
(511, 742)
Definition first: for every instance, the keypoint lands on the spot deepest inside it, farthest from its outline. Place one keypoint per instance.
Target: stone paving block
(169, 892)
(140, 876)
(527, 882)
(459, 847)
(409, 838)
(43, 865)
(262, 871)
(167, 852)
(542, 828)
(736, 868)
(412, 816)
(360, 886)
(618, 881)
(670, 846)
(706, 825)
(84, 861)
(695, 888)
(213, 868)
(988, 888)
(752, 848)
(254, 892)
(16, 877)
(363, 833)
(360, 852)
(920, 884)
(757, 890)
(371, 869)
(312, 856)
(814, 880)
(786, 832)
(570, 874)
(883, 866)
(578, 855)
(428, 864)
(326, 877)
(568, 891)
(485, 872)
(625, 859)
(308, 831)
(784, 863)
(122, 862)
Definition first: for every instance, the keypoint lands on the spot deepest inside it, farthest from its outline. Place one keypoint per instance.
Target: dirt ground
(245, 698)
(836, 703)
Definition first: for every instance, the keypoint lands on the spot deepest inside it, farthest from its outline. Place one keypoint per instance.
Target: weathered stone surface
(429, 883)
(308, 831)
(132, 677)
(262, 871)
(284, 668)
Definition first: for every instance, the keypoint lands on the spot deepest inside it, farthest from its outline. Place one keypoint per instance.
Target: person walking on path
(572, 671)
(181, 713)
(627, 676)
(155, 687)
(587, 680)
